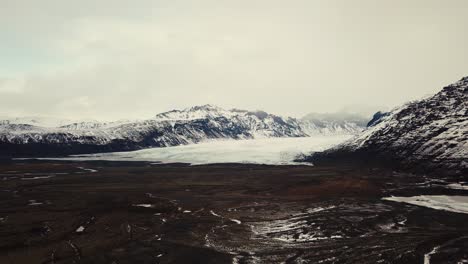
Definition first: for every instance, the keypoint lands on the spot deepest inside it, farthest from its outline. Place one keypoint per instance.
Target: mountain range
(429, 133)
(47, 136)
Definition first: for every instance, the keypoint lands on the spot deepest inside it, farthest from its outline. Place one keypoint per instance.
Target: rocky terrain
(39, 137)
(429, 134)
(128, 212)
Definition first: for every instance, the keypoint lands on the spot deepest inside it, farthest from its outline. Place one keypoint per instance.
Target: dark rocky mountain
(425, 135)
(377, 118)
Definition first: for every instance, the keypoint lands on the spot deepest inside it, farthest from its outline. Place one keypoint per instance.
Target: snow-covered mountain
(334, 123)
(35, 121)
(172, 128)
(177, 127)
(197, 112)
(430, 133)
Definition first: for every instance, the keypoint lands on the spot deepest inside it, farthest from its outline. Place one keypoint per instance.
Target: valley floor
(138, 212)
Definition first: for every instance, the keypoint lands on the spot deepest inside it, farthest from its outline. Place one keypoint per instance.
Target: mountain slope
(431, 133)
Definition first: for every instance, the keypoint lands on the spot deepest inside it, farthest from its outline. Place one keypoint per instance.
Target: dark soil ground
(122, 212)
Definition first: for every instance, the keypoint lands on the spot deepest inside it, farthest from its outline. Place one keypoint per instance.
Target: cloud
(116, 59)
(11, 85)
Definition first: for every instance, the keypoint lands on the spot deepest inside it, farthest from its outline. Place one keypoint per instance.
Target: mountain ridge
(428, 134)
(171, 128)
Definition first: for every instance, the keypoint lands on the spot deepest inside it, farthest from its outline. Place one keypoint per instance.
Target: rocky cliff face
(431, 133)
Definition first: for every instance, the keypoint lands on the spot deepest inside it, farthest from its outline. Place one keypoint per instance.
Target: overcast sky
(112, 59)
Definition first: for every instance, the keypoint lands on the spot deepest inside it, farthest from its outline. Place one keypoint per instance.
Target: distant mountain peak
(207, 107)
(194, 112)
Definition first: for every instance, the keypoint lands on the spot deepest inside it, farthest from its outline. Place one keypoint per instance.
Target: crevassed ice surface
(274, 151)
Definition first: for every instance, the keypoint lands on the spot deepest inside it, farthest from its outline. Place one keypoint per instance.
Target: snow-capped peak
(40, 121)
(195, 112)
(206, 107)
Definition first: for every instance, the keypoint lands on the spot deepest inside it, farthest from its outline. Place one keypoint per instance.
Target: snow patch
(427, 257)
(86, 169)
(34, 202)
(37, 178)
(236, 221)
(215, 214)
(457, 186)
(143, 205)
(457, 204)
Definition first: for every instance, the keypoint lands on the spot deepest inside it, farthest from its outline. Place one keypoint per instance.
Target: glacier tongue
(273, 151)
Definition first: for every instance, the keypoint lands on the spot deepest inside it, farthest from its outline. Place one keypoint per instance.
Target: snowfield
(458, 204)
(272, 151)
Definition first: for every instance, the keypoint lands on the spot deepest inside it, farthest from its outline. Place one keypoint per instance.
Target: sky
(118, 59)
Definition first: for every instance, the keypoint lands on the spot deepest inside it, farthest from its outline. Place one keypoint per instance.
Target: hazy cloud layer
(113, 59)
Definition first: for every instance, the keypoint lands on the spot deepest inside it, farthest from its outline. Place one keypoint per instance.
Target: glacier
(271, 151)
